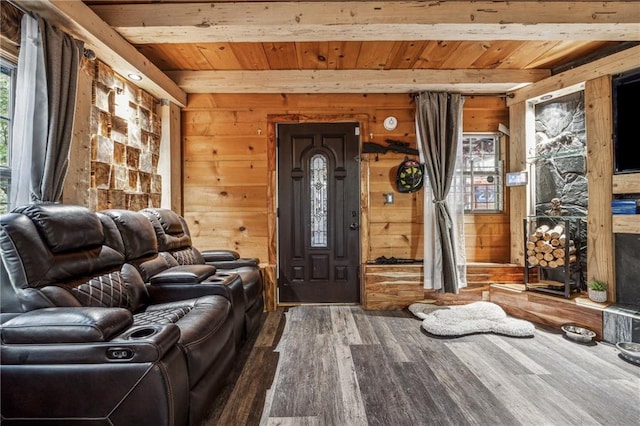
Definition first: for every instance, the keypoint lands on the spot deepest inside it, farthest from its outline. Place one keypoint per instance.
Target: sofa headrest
(168, 228)
(169, 220)
(64, 227)
(133, 235)
(54, 244)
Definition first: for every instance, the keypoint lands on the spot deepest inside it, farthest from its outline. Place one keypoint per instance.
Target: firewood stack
(547, 247)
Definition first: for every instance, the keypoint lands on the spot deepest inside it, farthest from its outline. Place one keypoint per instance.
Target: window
(318, 189)
(7, 91)
(482, 172)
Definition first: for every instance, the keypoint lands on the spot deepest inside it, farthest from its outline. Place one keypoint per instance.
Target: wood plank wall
(226, 181)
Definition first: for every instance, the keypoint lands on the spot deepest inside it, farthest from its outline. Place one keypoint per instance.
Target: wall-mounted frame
(517, 178)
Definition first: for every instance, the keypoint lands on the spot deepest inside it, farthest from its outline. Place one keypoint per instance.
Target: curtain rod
(88, 53)
(492, 95)
(20, 8)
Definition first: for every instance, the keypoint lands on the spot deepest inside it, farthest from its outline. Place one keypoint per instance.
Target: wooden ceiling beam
(355, 81)
(373, 21)
(613, 64)
(77, 19)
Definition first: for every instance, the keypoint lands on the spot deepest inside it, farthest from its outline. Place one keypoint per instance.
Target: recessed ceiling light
(135, 77)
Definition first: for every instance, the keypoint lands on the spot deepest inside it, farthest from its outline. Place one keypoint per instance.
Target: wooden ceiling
(364, 46)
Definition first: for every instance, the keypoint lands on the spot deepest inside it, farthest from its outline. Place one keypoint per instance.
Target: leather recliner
(168, 279)
(174, 238)
(93, 344)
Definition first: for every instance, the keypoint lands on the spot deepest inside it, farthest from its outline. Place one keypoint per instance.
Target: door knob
(353, 226)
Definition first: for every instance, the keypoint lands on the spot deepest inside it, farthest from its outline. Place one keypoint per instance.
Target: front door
(318, 213)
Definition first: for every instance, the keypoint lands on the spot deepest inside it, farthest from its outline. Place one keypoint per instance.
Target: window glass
(318, 209)
(7, 82)
(482, 173)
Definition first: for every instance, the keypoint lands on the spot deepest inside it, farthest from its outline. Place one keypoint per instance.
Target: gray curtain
(439, 127)
(47, 77)
(62, 55)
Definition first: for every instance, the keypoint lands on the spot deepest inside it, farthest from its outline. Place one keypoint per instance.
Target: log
(561, 261)
(555, 232)
(560, 252)
(540, 231)
(530, 245)
(553, 264)
(543, 262)
(548, 257)
(532, 260)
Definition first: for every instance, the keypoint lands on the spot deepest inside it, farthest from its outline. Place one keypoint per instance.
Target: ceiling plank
(355, 81)
(81, 22)
(618, 62)
(379, 20)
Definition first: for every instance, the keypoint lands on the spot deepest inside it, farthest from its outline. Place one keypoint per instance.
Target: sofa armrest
(66, 325)
(220, 285)
(218, 255)
(83, 336)
(238, 263)
(183, 274)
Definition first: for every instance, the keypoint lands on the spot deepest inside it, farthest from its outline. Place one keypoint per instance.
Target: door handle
(354, 226)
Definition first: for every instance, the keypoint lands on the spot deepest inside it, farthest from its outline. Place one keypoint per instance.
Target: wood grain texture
(626, 183)
(517, 194)
(229, 166)
(80, 21)
(389, 287)
(344, 365)
(619, 62)
(599, 123)
(547, 309)
(626, 224)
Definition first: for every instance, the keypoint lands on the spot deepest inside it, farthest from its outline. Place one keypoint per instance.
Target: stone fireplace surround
(621, 322)
(560, 173)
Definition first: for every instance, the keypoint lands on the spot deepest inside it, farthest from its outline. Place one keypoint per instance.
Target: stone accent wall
(561, 187)
(125, 144)
(560, 155)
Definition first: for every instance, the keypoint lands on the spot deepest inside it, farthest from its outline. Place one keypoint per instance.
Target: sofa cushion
(168, 229)
(133, 234)
(66, 325)
(27, 244)
(64, 227)
(168, 219)
(184, 274)
(206, 329)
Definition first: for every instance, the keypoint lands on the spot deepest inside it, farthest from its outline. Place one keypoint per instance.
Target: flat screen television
(626, 122)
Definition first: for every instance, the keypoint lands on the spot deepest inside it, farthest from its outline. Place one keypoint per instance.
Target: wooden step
(489, 273)
(546, 309)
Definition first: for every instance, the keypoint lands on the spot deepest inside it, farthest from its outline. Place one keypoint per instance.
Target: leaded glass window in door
(318, 183)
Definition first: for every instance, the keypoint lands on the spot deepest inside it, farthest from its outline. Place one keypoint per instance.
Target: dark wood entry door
(318, 213)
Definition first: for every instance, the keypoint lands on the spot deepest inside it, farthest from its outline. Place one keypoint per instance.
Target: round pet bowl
(629, 351)
(578, 334)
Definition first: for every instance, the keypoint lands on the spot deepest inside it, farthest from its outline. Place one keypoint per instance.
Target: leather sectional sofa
(113, 331)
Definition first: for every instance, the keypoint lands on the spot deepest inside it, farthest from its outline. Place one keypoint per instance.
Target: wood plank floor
(342, 365)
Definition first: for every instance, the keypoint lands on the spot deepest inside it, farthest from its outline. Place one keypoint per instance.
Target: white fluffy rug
(476, 317)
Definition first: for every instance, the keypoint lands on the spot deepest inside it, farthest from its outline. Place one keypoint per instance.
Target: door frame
(271, 283)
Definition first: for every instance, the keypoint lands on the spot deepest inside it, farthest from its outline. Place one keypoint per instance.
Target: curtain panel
(47, 78)
(439, 131)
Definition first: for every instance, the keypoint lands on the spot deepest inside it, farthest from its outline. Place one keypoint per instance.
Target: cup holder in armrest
(142, 333)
